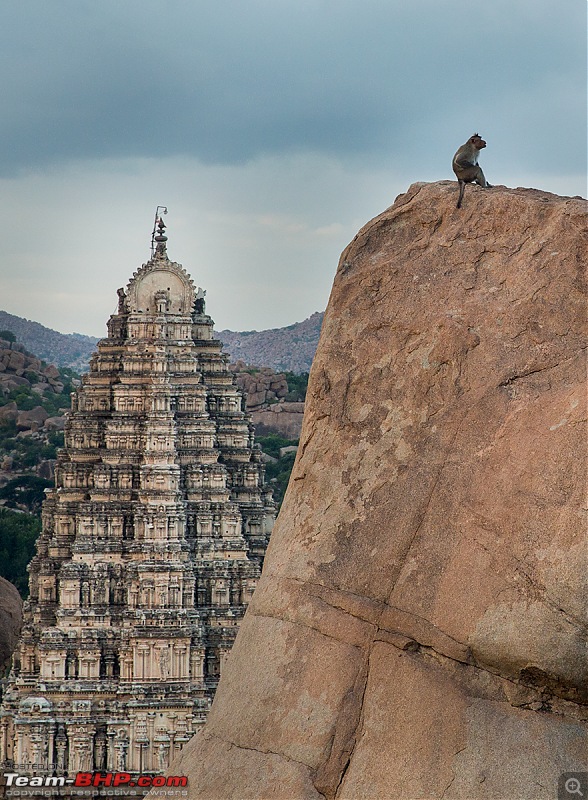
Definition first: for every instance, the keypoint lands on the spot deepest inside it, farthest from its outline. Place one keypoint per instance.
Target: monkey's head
(477, 141)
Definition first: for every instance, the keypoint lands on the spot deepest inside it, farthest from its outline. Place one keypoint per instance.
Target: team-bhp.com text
(97, 779)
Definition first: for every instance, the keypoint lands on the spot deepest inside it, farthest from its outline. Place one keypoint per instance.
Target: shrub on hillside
(297, 386)
(26, 492)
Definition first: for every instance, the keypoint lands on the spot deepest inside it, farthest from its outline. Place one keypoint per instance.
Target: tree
(18, 534)
(26, 492)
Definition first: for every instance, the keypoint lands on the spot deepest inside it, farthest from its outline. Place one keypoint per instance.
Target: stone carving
(199, 302)
(121, 746)
(116, 627)
(100, 753)
(164, 663)
(162, 756)
(60, 748)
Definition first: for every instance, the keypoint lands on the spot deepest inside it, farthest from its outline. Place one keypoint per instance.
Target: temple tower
(151, 547)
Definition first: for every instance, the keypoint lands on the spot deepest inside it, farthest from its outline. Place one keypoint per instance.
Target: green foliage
(55, 441)
(272, 443)
(277, 474)
(8, 336)
(26, 400)
(18, 533)
(8, 430)
(27, 452)
(297, 386)
(25, 492)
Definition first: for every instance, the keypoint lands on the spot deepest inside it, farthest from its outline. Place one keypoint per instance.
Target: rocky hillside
(33, 398)
(291, 348)
(274, 404)
(419, 627)
(64, 349)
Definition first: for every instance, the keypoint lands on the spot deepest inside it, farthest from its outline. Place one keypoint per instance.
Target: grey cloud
(225, 83)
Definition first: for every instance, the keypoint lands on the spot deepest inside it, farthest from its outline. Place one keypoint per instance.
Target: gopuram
(152, 543)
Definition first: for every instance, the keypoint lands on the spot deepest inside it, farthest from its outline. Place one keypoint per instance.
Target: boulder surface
(419, 627)
(10, 620)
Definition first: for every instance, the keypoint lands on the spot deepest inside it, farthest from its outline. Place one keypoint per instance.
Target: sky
(271, 129)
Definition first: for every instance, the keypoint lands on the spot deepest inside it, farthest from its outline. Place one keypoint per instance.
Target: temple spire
(151, 547)
(158, 237)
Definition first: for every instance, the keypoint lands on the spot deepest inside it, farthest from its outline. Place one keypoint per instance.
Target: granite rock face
(419, 628)
(10, 619)
(265, 395)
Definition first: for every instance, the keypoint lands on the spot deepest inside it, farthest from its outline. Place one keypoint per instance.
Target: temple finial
(158, 236)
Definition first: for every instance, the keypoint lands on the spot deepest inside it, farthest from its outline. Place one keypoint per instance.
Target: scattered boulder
(16, 362)
(41, 388)
(257, 398)
(10, 381)
(18, 368)
(267, 459)
(55, 423)
(282, 418)
(290, 408)
(260, 385)
(6, 464)
(9, 412)
(265, 391)
(31, 420)
(419, 627)
(52, 372)
(291, 348)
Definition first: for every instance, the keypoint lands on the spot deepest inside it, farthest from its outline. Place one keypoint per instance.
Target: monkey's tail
(461, 191)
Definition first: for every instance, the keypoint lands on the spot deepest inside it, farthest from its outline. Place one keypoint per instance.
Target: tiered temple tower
(152, 544)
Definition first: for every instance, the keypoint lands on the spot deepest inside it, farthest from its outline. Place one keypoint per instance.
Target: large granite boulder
(282, 418)
(419, 628)
(31, 420)
(10, 619)
(9, 412)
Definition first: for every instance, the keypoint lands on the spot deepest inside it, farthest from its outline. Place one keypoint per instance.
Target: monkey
(465, 165)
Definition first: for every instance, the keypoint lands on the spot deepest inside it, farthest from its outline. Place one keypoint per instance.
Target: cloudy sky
(271, 129)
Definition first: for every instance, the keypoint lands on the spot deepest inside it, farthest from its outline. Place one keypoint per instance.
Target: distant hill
(64, 349)
(290, 349)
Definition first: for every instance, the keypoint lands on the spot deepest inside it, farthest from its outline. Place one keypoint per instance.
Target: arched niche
(160, 288)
